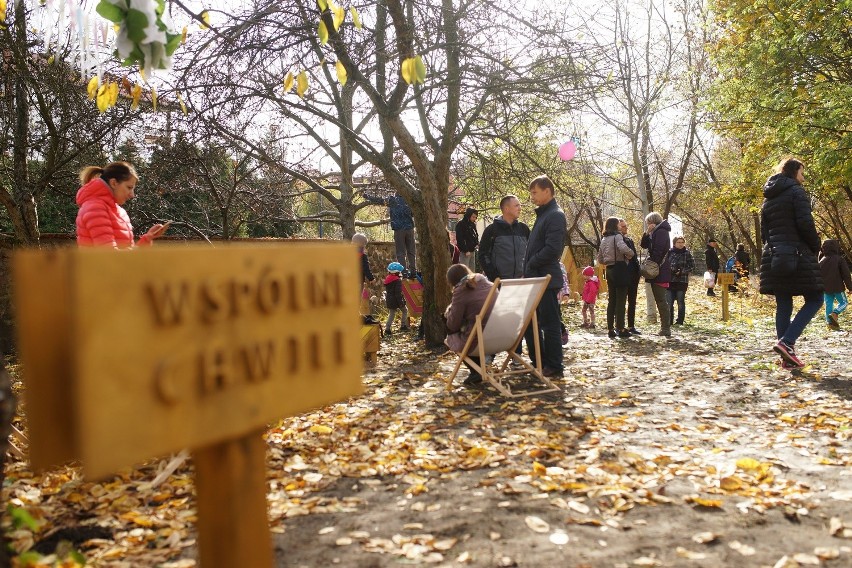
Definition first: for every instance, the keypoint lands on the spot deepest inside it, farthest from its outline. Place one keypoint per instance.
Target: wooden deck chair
(514, 310)
(412, 291)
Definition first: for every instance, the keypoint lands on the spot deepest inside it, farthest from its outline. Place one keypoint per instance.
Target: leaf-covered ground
(696, 450)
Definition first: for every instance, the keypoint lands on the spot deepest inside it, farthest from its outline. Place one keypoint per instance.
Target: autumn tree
(417, 77)
(783, 86)
(48, 127)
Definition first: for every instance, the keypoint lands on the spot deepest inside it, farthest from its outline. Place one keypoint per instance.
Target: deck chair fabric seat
(514, 309)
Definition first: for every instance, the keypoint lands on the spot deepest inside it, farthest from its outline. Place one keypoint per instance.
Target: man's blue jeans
(789, 331)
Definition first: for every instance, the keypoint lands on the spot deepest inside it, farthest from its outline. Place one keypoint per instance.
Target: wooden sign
(134, 355)
(131, 355)
(146, 353)
(724, 280)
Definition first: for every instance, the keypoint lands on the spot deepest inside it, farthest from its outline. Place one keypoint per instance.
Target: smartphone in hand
(164, 228)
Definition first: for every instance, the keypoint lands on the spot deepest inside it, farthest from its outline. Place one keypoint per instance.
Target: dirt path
(692, 451)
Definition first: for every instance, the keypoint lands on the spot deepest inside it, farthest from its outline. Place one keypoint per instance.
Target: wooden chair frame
(497, 375)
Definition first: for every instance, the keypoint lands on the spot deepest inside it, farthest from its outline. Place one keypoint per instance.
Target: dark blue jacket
(633, 263)
(401, 217)
(502, 249)
(658, 244)
(547, 240)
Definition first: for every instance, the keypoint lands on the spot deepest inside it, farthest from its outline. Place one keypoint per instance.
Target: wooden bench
(370, 340)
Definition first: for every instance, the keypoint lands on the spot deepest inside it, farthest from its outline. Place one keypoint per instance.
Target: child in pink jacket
(590, 296)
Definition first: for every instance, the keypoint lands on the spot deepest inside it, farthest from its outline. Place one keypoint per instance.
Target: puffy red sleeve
(97, 224)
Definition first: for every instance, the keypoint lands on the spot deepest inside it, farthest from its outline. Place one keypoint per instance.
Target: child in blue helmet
(393, 297)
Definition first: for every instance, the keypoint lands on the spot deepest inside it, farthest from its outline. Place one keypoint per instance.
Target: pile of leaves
(656, 452)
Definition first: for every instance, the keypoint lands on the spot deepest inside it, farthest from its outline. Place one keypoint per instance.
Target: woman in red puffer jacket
(102, 221)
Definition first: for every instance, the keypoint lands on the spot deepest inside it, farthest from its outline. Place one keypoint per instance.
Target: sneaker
(388, 333)
(634, 331)
(665, 333)
(623, 333)
(788, 366)
(833, 326)
(833, 316)
(710, 292)
(612, 334)
(787, 353)
(565, 337)
(551, 373)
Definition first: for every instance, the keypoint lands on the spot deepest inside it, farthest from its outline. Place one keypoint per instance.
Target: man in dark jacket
(504, 242)
(467, 238)
(402, 223)
(544, 251)
(711, 258)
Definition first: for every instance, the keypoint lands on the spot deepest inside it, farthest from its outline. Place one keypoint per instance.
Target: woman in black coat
(788, 265)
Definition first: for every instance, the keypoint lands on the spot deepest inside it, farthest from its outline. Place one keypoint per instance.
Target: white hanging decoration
(148, 38)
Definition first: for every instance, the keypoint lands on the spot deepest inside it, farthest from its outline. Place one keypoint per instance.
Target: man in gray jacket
(504, 242)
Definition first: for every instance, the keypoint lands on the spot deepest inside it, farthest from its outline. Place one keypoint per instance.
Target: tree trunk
(431, 219)
(25, 215)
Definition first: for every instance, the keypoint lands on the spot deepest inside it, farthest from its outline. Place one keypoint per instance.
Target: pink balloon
(567, 150)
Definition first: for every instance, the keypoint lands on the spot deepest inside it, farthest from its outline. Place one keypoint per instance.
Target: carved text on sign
(216, 369)
(270, 293)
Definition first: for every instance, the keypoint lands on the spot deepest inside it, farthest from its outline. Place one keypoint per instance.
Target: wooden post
(725, 279)
(230, 482)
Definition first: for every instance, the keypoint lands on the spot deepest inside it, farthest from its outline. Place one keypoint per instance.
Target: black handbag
(784, 260)
(617, 275)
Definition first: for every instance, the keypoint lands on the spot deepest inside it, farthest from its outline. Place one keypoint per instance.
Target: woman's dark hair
(543, 182)
(457, 272)
(119, 171)
(610, 226)
(740, 247)
(789, 167)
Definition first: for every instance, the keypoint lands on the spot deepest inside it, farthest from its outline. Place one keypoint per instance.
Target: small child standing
(393, 297)
(590, 296)
(836, 280)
